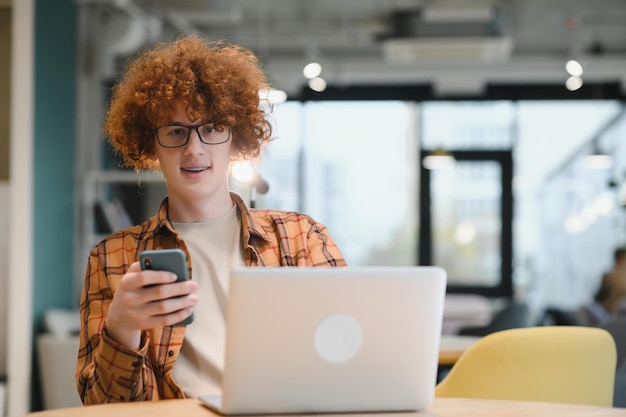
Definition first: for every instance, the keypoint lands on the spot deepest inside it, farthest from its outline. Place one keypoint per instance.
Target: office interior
(520, 216)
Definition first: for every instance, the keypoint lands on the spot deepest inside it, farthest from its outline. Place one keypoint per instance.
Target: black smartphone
(172, 260)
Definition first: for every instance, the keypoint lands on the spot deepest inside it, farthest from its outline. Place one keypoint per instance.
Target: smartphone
(173, 260)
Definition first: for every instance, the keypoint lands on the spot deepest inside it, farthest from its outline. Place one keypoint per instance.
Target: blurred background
(485, 137)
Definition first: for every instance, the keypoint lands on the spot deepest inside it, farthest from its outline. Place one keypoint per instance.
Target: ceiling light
(574, 68)
(317, 84)
(273, 96)
(573, 83)
(598, 160)
(312, 70)
(604, 203)
(438, 159)
(574, 224)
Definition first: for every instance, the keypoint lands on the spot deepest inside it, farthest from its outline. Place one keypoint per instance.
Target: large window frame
(425, 247)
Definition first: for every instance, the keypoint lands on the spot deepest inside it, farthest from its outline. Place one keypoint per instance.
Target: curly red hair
(215, 80)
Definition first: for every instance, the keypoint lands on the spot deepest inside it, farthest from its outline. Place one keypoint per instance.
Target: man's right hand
(145, 300)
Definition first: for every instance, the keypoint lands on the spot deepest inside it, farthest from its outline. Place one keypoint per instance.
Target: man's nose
(194, 139)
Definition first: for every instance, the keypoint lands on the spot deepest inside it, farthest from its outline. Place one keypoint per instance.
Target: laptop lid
(314, 340)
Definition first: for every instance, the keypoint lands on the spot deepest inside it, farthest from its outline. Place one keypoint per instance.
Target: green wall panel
(55, 74)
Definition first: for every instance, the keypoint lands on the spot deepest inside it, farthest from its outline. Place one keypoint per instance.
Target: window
(355, 167)
(352, 166)
(467, 219)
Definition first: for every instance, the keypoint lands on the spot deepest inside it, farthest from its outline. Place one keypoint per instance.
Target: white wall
(20, 252)
(4, 270)
(5, 82)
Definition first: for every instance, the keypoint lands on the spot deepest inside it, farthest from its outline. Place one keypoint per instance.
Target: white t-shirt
(215, 248)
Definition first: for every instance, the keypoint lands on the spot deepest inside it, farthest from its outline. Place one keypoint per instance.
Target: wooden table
(442, 407)
(453, 346)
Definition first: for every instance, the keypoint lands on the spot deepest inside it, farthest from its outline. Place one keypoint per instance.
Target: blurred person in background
(610, 298)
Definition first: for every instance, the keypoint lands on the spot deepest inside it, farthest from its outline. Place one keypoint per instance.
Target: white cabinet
(57, 357)
(2, 395)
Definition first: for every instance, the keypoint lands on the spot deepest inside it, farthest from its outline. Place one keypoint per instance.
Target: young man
(188, 109)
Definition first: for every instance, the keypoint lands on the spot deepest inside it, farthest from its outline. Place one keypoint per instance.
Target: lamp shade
(438, 159)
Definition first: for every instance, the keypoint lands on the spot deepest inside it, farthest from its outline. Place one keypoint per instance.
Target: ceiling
(457, 46)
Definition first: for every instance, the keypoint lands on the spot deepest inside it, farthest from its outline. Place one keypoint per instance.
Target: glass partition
(352, 166)
(467, 222)
(355, 167)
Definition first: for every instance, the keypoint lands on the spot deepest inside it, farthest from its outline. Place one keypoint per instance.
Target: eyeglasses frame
(189, 129)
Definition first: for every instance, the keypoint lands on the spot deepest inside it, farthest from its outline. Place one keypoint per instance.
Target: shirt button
(136, 363)
(170, 353)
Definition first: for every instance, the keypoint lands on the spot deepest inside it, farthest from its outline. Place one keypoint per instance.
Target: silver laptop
(323, 340)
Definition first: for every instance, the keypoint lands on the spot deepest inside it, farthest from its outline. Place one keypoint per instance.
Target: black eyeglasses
(175, 136)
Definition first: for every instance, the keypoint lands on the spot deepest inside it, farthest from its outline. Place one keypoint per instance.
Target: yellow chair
(562, 364)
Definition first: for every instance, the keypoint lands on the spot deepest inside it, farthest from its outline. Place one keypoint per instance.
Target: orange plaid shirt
(109, 372)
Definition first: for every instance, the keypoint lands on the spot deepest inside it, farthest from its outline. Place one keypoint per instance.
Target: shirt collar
(248, 224)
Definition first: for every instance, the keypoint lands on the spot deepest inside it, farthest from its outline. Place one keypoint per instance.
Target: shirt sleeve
(295, 239)
(107, 371)
(322, 250)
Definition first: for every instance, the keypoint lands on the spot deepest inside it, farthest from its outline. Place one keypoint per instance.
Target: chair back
(563, 364)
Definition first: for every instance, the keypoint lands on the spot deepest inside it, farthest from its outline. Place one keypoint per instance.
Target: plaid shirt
(109, 372)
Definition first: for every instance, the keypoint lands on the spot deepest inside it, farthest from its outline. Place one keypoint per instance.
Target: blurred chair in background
(554, 316)
(513, 316)
(564, 364)
(619, 392)
(617, 327)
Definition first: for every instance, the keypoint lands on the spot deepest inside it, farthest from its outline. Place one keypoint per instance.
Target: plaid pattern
(109, 372)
